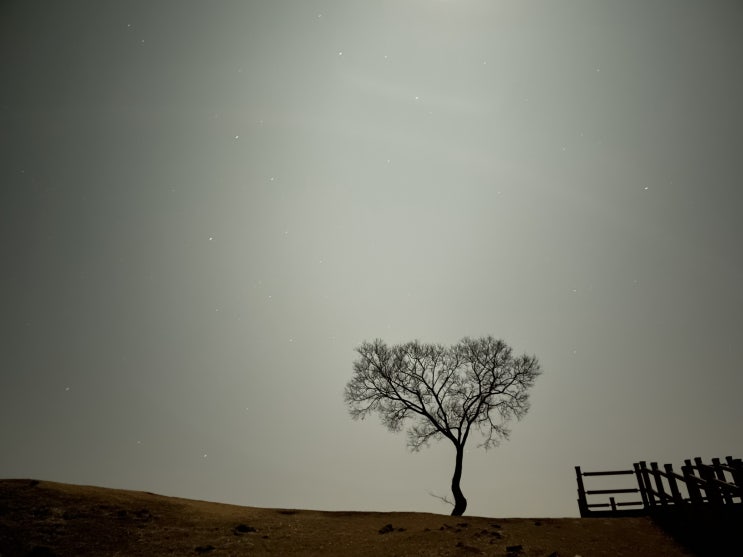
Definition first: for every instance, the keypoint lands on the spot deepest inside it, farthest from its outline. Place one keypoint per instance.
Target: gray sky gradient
(205, 206)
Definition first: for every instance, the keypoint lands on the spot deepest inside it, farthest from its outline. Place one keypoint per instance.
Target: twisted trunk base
(460, 503)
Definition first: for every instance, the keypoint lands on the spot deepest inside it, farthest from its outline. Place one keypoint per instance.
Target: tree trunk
(460, 503)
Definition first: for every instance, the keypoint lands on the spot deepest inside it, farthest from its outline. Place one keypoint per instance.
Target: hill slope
(39, 518)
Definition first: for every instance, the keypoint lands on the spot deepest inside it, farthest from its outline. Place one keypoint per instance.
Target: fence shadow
(705, 532)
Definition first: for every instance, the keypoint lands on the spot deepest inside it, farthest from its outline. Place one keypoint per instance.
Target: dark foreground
(39, 518)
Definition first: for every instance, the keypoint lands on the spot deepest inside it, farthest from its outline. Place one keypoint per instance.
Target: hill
(47, 519)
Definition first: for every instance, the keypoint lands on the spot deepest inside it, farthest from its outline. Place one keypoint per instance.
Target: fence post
(708, 475)
(659, 484)
(737, 464)
(641, 485)
(720, 475)
(582, 502)
(646, 480)
(695, 496)
(675, 492)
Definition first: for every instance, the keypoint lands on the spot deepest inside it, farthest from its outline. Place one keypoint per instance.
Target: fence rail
(717, 485)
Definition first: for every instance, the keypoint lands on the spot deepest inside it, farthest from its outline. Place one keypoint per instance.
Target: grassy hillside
(39, 518)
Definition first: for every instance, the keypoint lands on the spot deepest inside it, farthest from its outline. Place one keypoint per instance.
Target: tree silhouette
(474, 385)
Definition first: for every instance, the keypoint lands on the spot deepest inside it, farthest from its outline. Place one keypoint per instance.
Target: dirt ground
(46, 519)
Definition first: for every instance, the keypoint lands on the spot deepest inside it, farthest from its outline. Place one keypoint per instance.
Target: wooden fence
(715, 486)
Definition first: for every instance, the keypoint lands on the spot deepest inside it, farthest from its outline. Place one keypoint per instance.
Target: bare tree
(474, 385)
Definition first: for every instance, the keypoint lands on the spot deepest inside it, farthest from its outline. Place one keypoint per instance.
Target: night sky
(205, 206)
